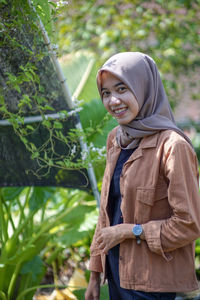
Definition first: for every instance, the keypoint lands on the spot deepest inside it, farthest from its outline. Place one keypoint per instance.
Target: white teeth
(117, 111)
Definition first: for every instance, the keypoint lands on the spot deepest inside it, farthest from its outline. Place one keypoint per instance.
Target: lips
(119, 111)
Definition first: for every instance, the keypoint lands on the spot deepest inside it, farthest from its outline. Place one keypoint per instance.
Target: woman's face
(118, 100)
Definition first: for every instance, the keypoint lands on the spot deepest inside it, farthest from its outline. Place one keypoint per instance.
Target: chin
(122, 122)
(125, 121)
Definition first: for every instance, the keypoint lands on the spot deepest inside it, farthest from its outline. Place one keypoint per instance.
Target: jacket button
(120, 258)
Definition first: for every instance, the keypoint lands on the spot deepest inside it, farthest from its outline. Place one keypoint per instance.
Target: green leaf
(81, 220)
(57, 125)
(103, 293)
(48, 107)
(33, 267)
(40, 196)
(80, 64)
(30, 127)
(52, 3)
(10, 193)
(93, 116)
(24, 140)
(35, 155)
(197, 250)
(46, 123)
(17, 88)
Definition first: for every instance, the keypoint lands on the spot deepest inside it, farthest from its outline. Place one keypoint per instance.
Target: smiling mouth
(120, 111)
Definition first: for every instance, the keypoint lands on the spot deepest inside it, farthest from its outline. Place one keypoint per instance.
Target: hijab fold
(139, 72)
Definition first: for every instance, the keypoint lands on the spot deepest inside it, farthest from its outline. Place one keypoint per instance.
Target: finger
(105, 250)
(101, 246)
(99, 239)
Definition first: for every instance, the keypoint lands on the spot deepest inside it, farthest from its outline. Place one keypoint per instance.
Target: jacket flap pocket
(146, 195)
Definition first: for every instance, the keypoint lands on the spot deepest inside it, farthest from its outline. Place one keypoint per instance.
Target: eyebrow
(116, 85)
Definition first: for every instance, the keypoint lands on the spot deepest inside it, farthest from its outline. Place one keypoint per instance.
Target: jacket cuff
(95, 263)
(152, 231)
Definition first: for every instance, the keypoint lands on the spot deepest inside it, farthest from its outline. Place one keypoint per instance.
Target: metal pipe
(34, 119)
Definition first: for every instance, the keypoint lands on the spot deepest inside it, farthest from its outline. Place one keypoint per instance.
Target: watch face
(137, 230)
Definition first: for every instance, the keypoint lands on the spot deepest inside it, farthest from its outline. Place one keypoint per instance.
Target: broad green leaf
(10, 193)
(33, 267)
(89, 222)
(83, 74)
(40, 196)
(77, 214)
(81, 221)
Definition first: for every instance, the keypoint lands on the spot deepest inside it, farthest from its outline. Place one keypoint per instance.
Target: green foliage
(166, 30)
(33, 267)
(197, 258)
(169, 28)
(37, 224)
(25, 91)
(84, 68)
(103, 293)
(196, 144)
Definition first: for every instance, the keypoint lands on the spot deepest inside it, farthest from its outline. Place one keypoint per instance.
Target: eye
(105, 94)
(122, 89)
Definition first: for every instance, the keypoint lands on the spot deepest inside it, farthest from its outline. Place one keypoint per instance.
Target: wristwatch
(137, 231)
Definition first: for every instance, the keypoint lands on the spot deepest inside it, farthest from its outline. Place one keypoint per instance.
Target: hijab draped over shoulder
(139, 72)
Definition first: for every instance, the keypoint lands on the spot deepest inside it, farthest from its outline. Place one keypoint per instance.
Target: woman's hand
(113, 235)
(93, 289)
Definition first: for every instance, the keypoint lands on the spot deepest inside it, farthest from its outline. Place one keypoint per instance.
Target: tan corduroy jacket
(159, 189)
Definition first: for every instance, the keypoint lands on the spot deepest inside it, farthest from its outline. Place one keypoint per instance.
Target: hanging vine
(30, 90)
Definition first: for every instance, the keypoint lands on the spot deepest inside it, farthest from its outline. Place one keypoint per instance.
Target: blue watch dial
(137, 230)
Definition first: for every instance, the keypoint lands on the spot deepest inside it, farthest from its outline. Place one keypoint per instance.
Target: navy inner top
(115, 195)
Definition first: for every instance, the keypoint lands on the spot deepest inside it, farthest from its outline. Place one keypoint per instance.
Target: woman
(150, 206)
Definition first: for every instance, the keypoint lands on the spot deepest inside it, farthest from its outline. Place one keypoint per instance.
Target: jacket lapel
(114, 151)
(147, 142)
(113, 155)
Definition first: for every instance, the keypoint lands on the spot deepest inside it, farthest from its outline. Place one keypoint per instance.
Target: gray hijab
(139, 72)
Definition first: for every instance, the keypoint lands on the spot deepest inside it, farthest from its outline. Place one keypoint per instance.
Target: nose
(114, 100)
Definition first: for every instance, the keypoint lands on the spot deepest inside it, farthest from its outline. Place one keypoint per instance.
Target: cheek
(134, 107)
(106, 106)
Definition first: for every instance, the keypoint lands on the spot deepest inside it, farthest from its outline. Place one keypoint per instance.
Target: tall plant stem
(3, 221)
(48, 226)
(12, 284)
(3, 296)
(55, 275)
(22, 208)
(8, 209)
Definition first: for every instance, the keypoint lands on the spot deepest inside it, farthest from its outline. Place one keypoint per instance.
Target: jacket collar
(147, 142)
(114, 151)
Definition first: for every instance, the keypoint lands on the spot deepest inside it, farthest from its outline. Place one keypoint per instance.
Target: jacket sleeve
(95, 254)
(183, 227)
